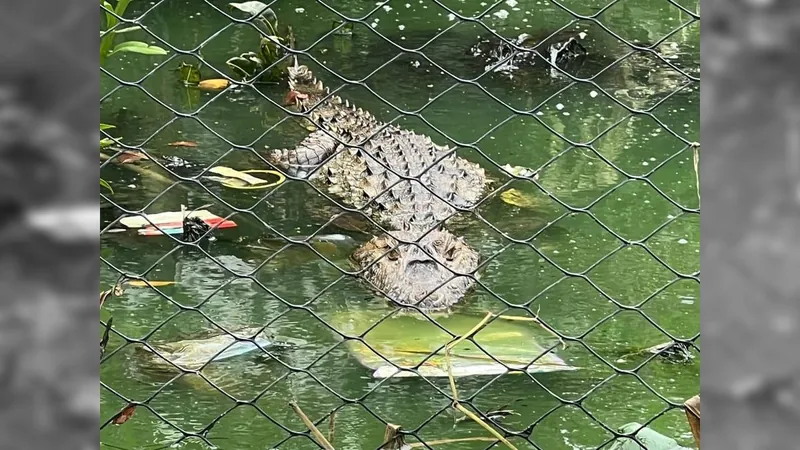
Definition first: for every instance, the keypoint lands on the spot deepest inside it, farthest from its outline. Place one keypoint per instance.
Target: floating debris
(192, 354)
(183, 144)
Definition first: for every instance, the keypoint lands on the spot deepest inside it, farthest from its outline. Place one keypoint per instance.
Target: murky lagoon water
(545, 281)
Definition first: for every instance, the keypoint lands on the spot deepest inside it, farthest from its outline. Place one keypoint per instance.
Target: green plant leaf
(106, 142)
(107, 40)
(138, 47)
(105, 126)
(122, 6)
(128, 29)
(110, 19)
(106, 184)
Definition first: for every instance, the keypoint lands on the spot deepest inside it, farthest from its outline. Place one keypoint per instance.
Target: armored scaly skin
(415, 200)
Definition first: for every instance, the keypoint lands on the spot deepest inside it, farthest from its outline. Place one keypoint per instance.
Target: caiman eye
(393, 255)
(450, 253)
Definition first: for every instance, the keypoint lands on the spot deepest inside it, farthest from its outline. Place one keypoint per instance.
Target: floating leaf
(142, 283)
(183, 144)
(254, 8)
(106, 142)
(138, 47)
(124, 415)
(130, 156)
(231, 173)
(214, 84)
(105, 126)
(407, 342)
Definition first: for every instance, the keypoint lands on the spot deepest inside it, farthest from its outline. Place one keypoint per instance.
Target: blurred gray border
(49, 270)
(750, 228)
(749, 252)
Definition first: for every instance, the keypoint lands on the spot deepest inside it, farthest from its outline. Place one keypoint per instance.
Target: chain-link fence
(497, 246)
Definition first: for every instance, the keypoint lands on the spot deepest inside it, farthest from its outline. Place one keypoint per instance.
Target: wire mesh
(131, 401)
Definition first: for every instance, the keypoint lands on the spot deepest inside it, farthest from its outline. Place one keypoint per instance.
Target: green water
(289, 288)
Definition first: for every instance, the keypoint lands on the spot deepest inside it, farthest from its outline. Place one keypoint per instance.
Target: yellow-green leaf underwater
(407, 340)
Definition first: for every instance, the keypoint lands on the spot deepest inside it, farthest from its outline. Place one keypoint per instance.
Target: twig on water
(319, 437)
(452, 441)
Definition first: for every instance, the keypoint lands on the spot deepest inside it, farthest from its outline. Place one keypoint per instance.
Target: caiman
(403, 181)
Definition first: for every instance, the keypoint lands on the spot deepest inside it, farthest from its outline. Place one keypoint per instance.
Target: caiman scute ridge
(421, 181)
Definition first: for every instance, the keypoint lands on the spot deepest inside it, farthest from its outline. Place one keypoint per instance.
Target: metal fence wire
(130, 403)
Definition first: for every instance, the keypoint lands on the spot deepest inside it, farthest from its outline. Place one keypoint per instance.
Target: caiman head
(409, 276)
(305, 91)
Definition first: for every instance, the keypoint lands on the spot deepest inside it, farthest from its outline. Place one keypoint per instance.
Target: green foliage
(106, 184)
(107, 49)
(249, 65)
(108, 37)
(138, 47)
(106, 142)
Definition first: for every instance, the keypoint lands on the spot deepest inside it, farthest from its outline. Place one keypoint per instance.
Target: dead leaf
(142, 283)
(105, 295)
(129, 156)
(217, 84)
(106, 335)
(183, 144)
(124, 415)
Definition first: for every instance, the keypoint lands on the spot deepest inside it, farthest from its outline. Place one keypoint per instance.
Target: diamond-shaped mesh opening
(501, 228)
